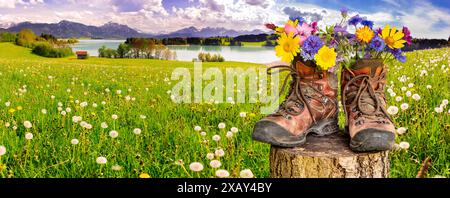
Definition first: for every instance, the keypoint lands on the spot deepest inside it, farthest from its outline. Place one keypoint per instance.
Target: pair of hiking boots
(311, 107)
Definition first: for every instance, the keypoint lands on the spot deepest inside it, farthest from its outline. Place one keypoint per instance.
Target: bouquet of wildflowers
(302, 41)
(369, 42)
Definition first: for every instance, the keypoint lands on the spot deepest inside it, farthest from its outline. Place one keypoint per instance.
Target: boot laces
(296, 97)
(365, 96)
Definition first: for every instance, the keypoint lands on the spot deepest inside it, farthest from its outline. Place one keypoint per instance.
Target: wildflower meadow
(69, 118)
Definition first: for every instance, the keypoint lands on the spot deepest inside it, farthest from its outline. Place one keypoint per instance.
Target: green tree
(123, 50)
(26, 38)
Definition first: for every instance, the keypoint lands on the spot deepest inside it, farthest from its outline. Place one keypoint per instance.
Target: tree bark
(327, 157)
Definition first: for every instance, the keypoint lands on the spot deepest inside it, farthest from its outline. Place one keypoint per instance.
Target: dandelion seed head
(401, 130)
(222, 173)
(197, 128)
(29, 136)
(219, 152)
(74, 141)
(404, 145)
(101, 160)
(2, 150)
(210, 156)
(116, 167)
(404, 106)
(243, 114)
(113, 134)
(114, 117)
(229, 134)
(104, 125)
(137, 131)
(416, 97)
(27, 124)
(215, 164)
(196, 166)
(221, 125)
(216, 138)
(392, 110)
(246, 173)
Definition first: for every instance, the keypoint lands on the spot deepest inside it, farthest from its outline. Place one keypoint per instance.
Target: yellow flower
(19, 108)
(364, 34)
(12, 110)
(144, 175)
(392, 37)
(287, 47)
(326, 58)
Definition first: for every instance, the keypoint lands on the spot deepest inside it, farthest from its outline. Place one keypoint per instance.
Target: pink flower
(289, 28)
(304, 32)
(314, 26)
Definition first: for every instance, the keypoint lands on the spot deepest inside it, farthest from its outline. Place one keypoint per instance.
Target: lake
(187, 53)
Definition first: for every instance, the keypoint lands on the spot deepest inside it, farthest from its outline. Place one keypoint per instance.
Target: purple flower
(368, 23)
(398, 55)
(379, 31)
(367, 55)
(311, 47)
(344, 12)
(340, 29)
(355, 20)
(377, 44)
(407, 37)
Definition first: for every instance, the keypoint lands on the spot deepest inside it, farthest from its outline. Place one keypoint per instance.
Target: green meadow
(115, 118)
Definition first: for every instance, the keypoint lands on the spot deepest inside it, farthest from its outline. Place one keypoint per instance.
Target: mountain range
(110, 30)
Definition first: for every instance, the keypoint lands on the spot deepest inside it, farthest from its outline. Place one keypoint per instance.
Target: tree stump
(327, 157)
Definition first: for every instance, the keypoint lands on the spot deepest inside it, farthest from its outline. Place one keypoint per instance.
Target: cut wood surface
(327, 157)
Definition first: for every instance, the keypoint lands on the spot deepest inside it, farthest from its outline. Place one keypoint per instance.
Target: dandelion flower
(246, 173)
(29, 136)
(197, 128)
(215, 163)
(392, 110)
(404, 145)
(113, 134)
(216, 138)
(222, 173)
(2, 150)
(137, 131)
(114, 117)
(196, 166)
(401, 130)
(416, 97)
(210, 156)
(404, 106)
(221, 125)
(27, 124)
(74, 141)
(144, 176)
(219, 152)
(101, 160)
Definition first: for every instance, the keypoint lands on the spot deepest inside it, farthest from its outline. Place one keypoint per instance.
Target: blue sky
(425, 18)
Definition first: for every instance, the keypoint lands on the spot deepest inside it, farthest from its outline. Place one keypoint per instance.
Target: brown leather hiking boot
(310, 107)
(369, 125)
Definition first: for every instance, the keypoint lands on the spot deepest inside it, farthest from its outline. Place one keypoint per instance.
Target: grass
(254, 44)
(28, 83)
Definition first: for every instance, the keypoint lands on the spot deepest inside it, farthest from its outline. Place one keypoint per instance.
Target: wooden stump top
(327, 157)
(336, 145)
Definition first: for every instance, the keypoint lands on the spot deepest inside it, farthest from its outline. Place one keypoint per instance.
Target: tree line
(146, 48)
(269, 39)
(45, 45)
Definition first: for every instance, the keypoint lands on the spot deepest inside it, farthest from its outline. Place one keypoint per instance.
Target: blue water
(187, 53)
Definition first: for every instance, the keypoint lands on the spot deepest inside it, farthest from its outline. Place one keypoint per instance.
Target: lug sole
(372, 140)
(283, 138)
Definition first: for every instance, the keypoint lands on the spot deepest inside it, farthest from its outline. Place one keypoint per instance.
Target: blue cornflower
(377, 44)
(398, 55)
(368, 23)
(311, 47)
(300, 19)
(355, 20)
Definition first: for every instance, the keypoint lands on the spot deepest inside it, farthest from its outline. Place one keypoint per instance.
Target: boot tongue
(304, 70)
(371, 67)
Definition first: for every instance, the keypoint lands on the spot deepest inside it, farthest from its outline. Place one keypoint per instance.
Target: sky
(425, 18)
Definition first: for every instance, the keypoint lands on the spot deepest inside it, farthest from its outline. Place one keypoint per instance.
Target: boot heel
(325, 127)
